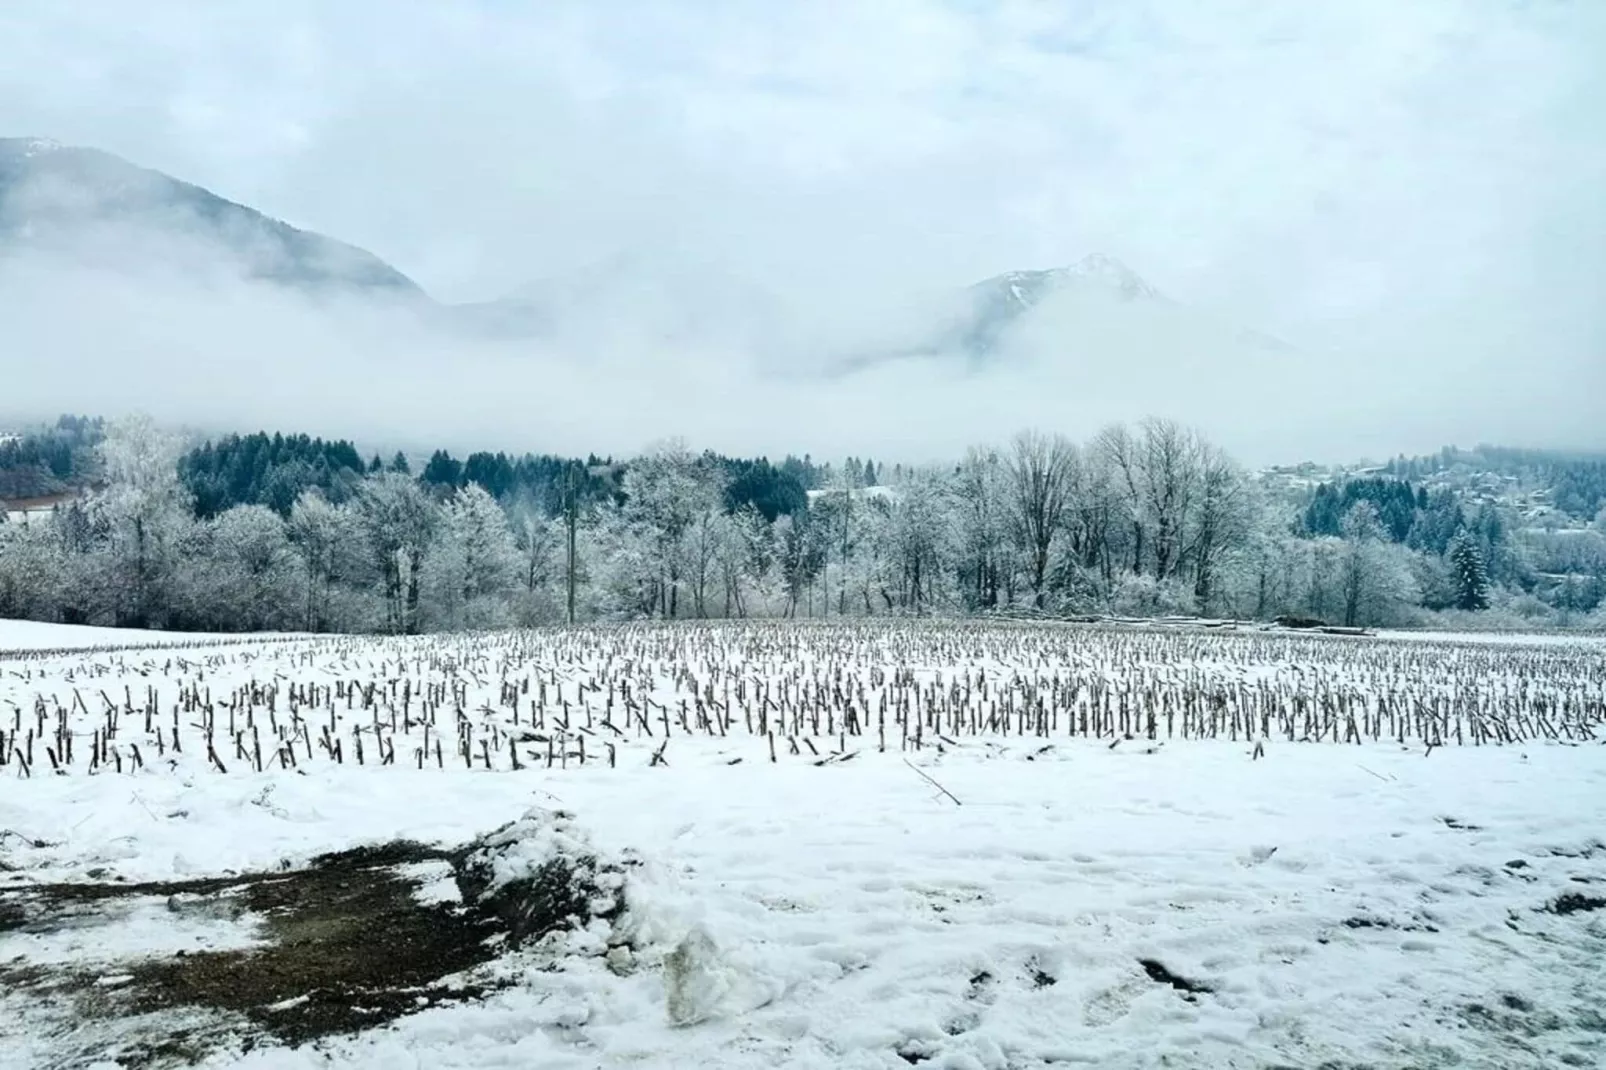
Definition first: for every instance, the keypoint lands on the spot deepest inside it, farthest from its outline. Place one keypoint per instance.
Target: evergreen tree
(1471, 576)
(443, 470)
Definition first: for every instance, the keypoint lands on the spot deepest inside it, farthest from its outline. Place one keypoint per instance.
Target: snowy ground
(19, 636)
(1337, 905)
(1594, 640)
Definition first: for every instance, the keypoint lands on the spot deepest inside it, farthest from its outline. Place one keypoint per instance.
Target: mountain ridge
(94, 205)
(65, 198)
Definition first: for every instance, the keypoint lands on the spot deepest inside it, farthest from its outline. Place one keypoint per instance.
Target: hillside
(90, 207)
(80, 206)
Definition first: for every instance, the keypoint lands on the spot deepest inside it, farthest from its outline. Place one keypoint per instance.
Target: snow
(1344, 904)
(1562, 639)
(17, 636)
(146, 926)
(436, 883)
(39, 146)
(846, 913)
(880, 490)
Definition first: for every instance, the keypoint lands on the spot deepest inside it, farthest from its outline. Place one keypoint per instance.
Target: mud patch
(350, 941)
(1573, 903)
(1159, 974)
(350, 946)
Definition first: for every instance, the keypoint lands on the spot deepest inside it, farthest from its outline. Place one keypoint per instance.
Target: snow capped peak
(30, 146)
(1022, 290)
(1108, 271)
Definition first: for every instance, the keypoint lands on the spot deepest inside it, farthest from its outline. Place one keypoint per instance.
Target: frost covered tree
(1117, 451)
(1093, 527)
(839, 514)
(1260, 564)
(1171, 476)
(251, 576)
(1040, 474)
(623, 574)
(473, 563)
(800, 548)
(917, 540)
(1152, 519)
(1362, 532)
(707, 538)
(34, 567)
(982, 528)
(330, 541)
(668, 493)
(1375, 580)
(542, 543)
(1221, 518)
(1320, 577)
(399, 521)
(1469, 571)
(142, 516)
(746, 562)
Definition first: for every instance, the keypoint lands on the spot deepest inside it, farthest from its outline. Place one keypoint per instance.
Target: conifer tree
(1470, 574)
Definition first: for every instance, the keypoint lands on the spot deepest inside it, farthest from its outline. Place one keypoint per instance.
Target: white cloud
(1416, 185)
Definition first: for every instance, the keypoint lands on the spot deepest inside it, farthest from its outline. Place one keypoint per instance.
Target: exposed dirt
(349, 944)
(346, 944)
(1574, 903)
(1159, 974)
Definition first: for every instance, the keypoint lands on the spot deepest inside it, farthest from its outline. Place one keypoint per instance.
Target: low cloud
(1409, 194)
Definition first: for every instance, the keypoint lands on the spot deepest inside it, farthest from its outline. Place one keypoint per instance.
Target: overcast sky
(1415, 185)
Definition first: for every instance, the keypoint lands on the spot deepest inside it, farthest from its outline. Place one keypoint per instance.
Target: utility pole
(572, 517)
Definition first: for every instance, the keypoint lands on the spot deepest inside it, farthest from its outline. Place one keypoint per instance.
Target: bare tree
(1374, 579)
(1221, 518)
(707, 534)
(1095, 507)
(400, 521)
(667, 491)
(146, 512)
(1117, 449)
(979, 489)
(1040, 469)
(917, 536)
(329, 540)
(1170, 459)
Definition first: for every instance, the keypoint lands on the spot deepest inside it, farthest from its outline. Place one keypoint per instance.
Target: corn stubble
(769, 691)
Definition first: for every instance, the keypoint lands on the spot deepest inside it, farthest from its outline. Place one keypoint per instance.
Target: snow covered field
(24, 636)
(965, 852)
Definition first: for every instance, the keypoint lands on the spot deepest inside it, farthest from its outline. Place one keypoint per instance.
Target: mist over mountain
(85, 207)
(127, 288)
(91, 208)
(1000, 303)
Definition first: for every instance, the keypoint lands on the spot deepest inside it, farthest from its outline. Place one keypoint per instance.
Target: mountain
(85, 206)
(993, 307)
(92, 207)
(1094, 312)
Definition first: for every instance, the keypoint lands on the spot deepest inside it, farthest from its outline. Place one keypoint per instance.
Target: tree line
(260, 532)
(50, 460)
